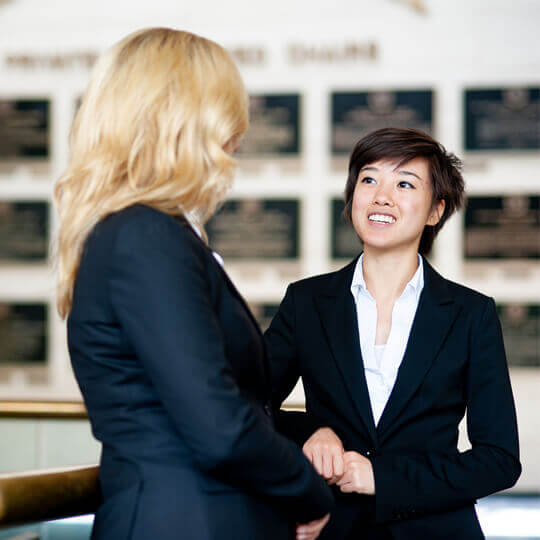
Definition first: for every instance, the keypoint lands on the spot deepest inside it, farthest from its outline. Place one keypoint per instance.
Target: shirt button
(368, 453)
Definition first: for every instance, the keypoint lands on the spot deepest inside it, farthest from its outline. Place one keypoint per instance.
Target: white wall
(457, 44)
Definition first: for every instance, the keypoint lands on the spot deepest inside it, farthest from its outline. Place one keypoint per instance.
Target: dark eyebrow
(409, 173)
(400, 171)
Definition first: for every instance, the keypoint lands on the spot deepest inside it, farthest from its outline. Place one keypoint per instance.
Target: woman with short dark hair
(392, 355)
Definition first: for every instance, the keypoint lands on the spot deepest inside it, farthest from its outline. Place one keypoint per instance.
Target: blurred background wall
(320, 74)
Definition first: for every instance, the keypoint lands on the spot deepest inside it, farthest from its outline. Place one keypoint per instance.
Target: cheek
(356, 213)
(360, 202)
(419, 209)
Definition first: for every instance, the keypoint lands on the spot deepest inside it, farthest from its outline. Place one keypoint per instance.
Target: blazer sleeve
(162, 298)
(280, 341)
(409, 486)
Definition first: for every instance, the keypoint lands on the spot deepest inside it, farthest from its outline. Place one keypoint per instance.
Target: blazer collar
(434, 317)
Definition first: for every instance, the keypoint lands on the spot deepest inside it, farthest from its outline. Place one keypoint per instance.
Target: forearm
(410, 486)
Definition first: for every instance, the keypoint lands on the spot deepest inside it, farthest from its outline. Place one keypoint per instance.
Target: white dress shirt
(381, 362)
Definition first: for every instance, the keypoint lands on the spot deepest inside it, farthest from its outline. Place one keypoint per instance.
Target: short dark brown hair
(403, 145)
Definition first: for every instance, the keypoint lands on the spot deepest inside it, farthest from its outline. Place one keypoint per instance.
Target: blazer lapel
(231, 286)
(234, 291)
(337, 312)
(434, 318)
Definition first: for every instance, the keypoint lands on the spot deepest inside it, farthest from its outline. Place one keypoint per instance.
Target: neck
(387, 274)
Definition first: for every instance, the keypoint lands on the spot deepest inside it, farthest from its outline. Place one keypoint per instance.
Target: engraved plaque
(502, 119)
(345, 243)
(264, 313)
(503, 227)
(24, 130)
(23, 334)
(24, 231)
(250, 229)
(521, 330)
(355, 114)
(274, 130)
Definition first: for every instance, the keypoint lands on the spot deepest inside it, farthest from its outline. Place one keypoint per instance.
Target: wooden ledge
(67, 410)
(34, 496)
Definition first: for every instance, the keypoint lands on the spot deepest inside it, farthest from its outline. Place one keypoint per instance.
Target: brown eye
(406, 185)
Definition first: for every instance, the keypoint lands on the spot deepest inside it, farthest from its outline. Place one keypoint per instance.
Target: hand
(325, 451)
(358, 476)
(311, 530)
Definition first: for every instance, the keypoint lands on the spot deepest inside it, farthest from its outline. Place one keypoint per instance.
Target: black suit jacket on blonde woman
(173, 372)
(454, 361)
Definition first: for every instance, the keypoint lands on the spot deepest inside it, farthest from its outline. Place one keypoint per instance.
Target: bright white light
(506, 516)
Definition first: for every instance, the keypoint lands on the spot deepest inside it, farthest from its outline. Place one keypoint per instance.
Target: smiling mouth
(382, 218)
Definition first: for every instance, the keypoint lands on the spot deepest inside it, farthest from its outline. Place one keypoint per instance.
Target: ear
(436, 213)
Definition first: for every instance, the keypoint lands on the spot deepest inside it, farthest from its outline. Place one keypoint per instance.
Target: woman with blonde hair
(168, 357)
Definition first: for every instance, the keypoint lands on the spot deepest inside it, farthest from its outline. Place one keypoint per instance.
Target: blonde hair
(161, 108)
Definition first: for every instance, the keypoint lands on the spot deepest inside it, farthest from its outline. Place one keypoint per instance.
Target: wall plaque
(23, 335)
(355, 114)
(274, 131)
(344, 242)
(521, 330)
(24, 131)
(251, 229)
(24, 231)
(503, 227)
(502, 119)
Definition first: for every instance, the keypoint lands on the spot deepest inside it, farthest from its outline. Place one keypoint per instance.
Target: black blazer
(173, 372)
(454, 361)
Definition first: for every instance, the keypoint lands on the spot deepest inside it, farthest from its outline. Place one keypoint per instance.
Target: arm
(162, 299)
(281, 344)
(409, 486)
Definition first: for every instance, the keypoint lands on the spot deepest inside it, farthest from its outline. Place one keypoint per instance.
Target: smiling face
(392, 204)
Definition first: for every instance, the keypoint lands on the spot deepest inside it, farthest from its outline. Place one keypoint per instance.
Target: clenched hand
(325, 451)
(351, 471)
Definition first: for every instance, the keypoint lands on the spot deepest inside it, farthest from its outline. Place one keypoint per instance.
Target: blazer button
(268, 410)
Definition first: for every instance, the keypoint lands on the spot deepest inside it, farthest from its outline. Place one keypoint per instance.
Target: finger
(305, 535)
(339, 468)
(344, 479)
(349, 456)
(317, 462)
(328, 470)
(308, 528)
(347, 488)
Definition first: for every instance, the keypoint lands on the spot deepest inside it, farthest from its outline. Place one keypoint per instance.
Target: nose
(383, 195)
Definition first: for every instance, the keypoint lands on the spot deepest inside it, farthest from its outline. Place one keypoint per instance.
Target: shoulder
(466, 295)
(313, 283)
(328, 283)
(470, 300)
(145, 228)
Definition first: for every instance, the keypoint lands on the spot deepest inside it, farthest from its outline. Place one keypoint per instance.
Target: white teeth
(380, 218)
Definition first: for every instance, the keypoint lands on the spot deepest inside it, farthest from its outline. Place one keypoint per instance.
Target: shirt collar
(415, 285)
